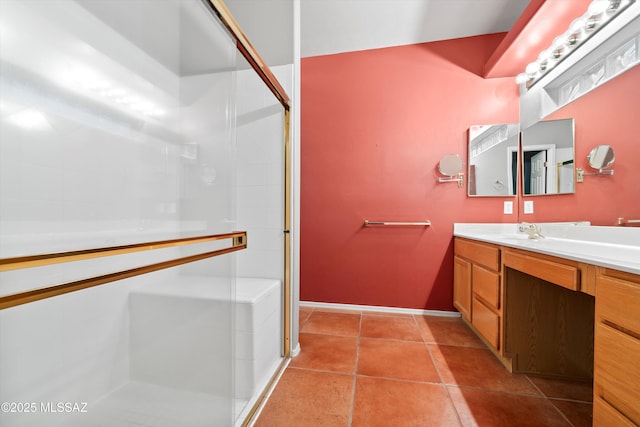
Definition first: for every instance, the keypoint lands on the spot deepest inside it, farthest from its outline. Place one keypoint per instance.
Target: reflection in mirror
(601, 157)
(548, 152)
(451, 166)
(493, 152)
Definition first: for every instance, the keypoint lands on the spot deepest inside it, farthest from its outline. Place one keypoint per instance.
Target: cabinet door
(462, 287)
(487, 323)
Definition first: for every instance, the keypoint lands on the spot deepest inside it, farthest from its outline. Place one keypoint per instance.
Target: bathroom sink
(614, 247)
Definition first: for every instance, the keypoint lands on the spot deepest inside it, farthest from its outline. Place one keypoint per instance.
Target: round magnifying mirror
(450, 165)
(601, 157)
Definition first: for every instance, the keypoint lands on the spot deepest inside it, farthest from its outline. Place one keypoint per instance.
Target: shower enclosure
(143, 215)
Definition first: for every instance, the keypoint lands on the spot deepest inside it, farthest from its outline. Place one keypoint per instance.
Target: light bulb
(578, 25)
(597, 7)
(560, 41)
(591, 24)
(574, 39)
(532, 68)
(544, 55)
(522, 78)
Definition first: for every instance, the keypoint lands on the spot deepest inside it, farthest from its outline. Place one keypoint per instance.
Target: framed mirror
(493, 164)
(548, 153)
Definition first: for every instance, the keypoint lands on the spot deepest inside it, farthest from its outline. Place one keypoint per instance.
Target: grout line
(323, 371)
(325, 333)
(403, 380)
(489, 390)
(564, 399)
(535, 386)
(311, 310)
(555, 398)
(433, 360)
(415, 321)
(560, 412)
(393, 340)
(355, 375)
(550, 400)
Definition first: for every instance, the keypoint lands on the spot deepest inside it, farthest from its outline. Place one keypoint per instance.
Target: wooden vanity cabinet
(477, 287)
(537, 312)
(616, 388)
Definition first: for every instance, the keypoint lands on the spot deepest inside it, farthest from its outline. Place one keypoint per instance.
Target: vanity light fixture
(598, 14)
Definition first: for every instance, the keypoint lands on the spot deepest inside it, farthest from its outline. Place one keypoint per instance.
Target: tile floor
(371, 369)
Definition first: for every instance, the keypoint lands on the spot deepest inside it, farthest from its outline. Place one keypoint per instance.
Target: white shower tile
(249, 91)
(10, 177)
(284, 74)
(42, 148)
(41, 182)
(251, 174)
(274, 173)
(256, 142)
(81, 186)
(264, 238)
(31, 217)
(259, 263)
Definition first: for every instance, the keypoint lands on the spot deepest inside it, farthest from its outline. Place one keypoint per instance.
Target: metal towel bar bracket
(385, 223)
(623, 221)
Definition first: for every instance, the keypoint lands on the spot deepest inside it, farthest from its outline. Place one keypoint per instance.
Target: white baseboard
(379, 309)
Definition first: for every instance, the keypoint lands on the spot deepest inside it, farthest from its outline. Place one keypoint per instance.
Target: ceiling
(336, 26)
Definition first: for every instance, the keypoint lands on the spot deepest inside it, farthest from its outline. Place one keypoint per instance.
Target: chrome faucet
(532, 230)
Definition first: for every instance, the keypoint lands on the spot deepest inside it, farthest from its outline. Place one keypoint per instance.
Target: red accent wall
(374, 125)
(608, 115)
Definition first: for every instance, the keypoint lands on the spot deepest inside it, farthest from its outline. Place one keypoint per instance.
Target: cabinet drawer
(486, 322)
(479, 253)
(604, 415)
(617, 370)
(567, 276)
(486, 284)
(618, 301)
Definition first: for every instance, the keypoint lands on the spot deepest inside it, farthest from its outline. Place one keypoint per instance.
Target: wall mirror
(548, 153)
(451, 166)
(601, 157)
(493, 164)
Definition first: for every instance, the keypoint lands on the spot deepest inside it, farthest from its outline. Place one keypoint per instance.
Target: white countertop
(612, 247)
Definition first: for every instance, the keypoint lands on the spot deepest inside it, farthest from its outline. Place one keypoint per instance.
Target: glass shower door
(117, 170)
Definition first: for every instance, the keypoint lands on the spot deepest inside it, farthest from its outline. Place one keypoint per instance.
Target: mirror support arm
(459, 179)
(580, 173)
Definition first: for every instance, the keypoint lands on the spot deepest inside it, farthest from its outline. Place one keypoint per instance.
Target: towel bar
(385, 223)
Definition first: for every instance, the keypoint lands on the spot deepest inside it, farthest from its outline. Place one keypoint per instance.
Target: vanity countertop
(612, 247)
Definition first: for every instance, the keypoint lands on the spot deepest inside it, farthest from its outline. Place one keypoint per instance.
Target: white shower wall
(260, 173)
